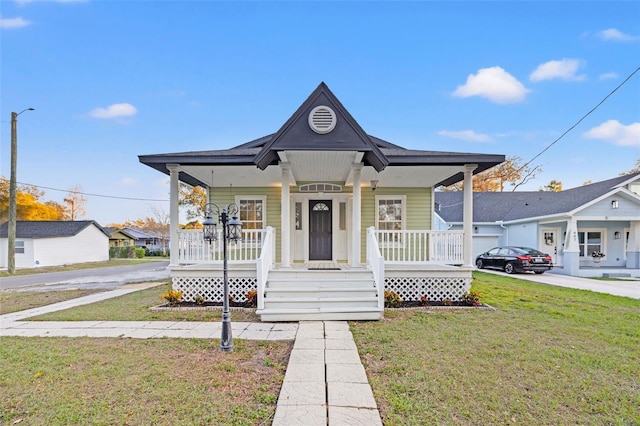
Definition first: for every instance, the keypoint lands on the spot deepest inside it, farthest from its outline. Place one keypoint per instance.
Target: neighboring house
(569, 225)
(53, 243)
(120, 237)
(332, 218)
(144, 239)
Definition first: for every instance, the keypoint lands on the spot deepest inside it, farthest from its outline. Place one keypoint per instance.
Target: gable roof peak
(321, 123)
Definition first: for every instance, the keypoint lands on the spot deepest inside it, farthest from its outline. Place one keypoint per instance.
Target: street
(107, 277)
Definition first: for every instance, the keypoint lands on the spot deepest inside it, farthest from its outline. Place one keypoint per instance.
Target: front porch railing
(264, 263)
(437, 247)
(375, 262)
(192, 248)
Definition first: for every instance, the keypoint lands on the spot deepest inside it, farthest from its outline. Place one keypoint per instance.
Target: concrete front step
(306, 291)
(320, 314)
(360, 283)
(320, 302)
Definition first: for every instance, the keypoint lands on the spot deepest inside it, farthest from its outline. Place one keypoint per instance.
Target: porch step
(297, 295)
(320, 314)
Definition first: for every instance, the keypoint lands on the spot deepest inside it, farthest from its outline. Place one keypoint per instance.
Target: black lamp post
(231, 231)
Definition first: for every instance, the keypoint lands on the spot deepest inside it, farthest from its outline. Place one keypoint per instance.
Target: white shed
(52, 243)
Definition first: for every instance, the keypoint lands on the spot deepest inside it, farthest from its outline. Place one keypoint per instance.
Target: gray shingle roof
(508, 206)
(48, 228)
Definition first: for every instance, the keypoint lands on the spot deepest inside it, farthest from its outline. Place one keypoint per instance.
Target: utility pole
(11, 230)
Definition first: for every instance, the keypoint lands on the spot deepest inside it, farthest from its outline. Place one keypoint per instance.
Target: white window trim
(603, 240)
(403, 222)
(19, 247)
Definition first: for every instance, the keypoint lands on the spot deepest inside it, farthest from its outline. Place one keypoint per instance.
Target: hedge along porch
(331, 215)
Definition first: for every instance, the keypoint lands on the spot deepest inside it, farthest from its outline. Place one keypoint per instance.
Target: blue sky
(111, 80)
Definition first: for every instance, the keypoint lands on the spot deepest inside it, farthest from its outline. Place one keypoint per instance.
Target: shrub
(252, 298)
(471, 298)
(128, 252)
(199, 300)
(424, 300)
(172, 296)
(139, 253)
(392, 299)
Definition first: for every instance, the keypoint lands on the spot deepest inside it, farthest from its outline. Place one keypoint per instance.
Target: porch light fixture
(614, 204)
(616, 235)
(374, 184)
(231, 231)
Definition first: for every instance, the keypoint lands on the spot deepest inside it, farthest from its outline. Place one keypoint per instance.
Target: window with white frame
(590, 240)
(390, 214)
(19, 247)
(252, 211)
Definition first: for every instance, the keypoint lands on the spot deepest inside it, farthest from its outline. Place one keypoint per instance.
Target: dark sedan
(515, 259)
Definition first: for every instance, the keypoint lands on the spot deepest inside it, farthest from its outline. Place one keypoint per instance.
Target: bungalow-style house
(120, 237)
(144, 239)
(332, 218)
(53, 243)
(602, 217)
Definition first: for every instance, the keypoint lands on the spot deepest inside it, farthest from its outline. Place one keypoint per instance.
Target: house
(144, 239)
(120, 237)
(52, 243)
(332, 217)
(569, 225)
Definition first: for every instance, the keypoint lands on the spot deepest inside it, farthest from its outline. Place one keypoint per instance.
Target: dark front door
(320, 230)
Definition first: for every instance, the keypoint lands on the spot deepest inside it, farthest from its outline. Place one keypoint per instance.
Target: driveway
(108, 277)
(624, 288)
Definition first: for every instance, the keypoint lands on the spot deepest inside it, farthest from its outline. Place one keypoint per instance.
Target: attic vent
(320, 187)
(322, 119)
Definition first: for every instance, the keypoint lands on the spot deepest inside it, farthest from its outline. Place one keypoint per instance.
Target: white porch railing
(192, 248)
(437, 247)
(264, 263)
(375, 262)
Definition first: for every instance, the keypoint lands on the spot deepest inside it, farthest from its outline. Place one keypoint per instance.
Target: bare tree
(552, 186)
(494, 180)
(75, 202)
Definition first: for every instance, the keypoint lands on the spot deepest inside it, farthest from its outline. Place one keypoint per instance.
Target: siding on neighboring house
(89, 245)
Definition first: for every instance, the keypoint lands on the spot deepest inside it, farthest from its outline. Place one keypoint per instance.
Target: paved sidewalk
(325, 382)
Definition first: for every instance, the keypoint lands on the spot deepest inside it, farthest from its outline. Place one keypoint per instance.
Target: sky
(111, 80)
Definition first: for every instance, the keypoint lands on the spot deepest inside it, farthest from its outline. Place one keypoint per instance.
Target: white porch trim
(285, 226)
(174, 214)
(467, 220)
(355, 218)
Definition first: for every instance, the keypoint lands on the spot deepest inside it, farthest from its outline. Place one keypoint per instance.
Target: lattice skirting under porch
(212, 288)
(436, 289)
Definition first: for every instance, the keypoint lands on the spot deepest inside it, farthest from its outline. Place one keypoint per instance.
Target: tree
(636, 169)
(75, 202)
(28, 204)
(194, 199)
(158, 226)
(553, 186)
(493, 180)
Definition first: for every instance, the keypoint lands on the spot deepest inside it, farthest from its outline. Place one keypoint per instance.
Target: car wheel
(509, 268)
(538, 272)
(479, 264)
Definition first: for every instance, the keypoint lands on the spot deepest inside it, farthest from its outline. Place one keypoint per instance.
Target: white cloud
(614, 34)
(466, 135)
(114, 111)
(495, 84)
(615, 132)
(608, 75)
(564, 69)
(12, 23)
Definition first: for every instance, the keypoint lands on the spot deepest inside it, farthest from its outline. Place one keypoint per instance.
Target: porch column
(355, 219)
(633, 247)
(174, 215)
(571, 255)
(467, 218)
(285, 240)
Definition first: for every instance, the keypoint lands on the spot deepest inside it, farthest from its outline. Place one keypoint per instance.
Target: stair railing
(375, 262)
(264, 263)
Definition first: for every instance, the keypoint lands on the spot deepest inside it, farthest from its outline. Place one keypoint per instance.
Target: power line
(581, 119)
(88, 193)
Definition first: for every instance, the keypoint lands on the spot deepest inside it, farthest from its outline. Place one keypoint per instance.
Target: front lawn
(546, 356)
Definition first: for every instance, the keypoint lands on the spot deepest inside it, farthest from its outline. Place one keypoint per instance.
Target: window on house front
(252, 212)
(390, 213)
(298, 216)
(19, 247)
(590, 241)
(343, 216)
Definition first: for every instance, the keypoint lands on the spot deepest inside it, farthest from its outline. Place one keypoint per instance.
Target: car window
(504, 251)
(493, 251)
(531, 251)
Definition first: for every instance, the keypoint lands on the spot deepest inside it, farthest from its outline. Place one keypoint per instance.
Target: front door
(549, 244)
(320, 240)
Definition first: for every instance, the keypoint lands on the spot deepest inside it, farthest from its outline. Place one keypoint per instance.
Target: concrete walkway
(325, 382)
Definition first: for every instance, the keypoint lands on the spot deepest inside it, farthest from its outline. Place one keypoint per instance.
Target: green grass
(547, 355)
(83, 381)
(19, 301)
(135, 307)
(78, 266)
